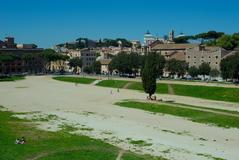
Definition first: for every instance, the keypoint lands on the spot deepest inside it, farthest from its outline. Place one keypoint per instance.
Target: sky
(50, 22)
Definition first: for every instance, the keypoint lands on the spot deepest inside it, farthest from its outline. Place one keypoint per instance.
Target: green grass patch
(112, 83)
(206, 92)
(140, 143)
(130, 156)
(75, 79)
(191, 114)
(51, 145)
(161, 88)
(136, 86)
(11, 78)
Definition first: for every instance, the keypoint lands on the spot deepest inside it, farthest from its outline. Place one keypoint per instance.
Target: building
(171, 50)
(26, 46)
(19, 64)
(88, 57)
(149, 38)
(136, 45)
(202, 54)
(9, 42)
(171, 36)
(105, 65)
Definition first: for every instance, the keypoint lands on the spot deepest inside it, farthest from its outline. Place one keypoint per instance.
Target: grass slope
(193, 115)
(75, 79)
(161, 88)
(12, 78)
(52, 145)
(112, 83)
(213, 93)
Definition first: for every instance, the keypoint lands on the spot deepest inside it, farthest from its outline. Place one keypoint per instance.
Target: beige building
(211, 55)
(171, 50)
(105, 65)
(58, 66)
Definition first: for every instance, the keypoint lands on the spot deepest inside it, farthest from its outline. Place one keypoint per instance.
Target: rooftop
(170, 46)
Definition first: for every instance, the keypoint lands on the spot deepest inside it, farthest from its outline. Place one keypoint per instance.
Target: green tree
(177, 67)
(126, 63)
(209, 35)
(160, 61)
(228, 42)
(49, 55)
(149, 74)
(193, 71)
(230, 67)
(29, 60)
(96, 67)
(204, 69)
(182, 39)
(87, 69)
(75, 63)
(214, 73)
(6, 58)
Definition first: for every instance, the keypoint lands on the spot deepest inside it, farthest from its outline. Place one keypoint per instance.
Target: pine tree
(149, 74)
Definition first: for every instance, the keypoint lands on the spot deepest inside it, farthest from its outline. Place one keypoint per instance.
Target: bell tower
(171, 36)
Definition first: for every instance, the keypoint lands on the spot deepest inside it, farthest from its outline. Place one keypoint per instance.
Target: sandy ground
(90, 109)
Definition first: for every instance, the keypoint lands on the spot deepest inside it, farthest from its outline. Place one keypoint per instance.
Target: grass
(112, 83)
(52, 145)
(11, 78)
(141, 143)
(206, 92)
(191, 114)
(75, 79)
(161, 88)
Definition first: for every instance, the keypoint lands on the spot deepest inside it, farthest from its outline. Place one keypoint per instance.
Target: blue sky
(48, 22)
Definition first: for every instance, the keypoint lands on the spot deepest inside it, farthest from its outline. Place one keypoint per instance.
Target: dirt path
(127, 85)
(170, 89)
(96, 82)
(121, 153)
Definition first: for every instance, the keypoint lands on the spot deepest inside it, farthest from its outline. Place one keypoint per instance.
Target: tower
(171, 36)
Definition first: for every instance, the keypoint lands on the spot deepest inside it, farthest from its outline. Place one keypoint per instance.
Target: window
(209, 57)
(188, 56)
(216, 57)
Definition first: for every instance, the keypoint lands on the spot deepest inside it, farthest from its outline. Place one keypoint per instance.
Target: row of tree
(87, 43)
(213, 38)
(133, 63)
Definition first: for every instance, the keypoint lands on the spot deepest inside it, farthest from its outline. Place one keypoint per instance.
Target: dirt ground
(91, 110)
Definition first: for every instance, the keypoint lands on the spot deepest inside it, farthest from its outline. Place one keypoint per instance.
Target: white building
(149, 38)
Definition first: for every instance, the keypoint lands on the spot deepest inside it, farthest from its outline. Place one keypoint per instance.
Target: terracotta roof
(174, 46)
